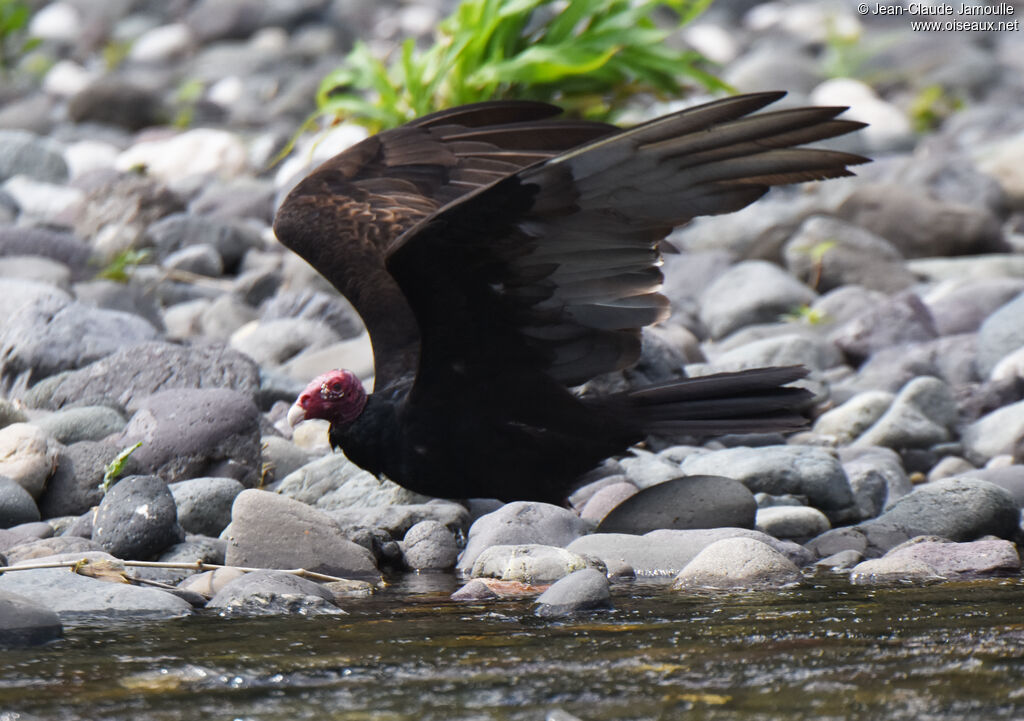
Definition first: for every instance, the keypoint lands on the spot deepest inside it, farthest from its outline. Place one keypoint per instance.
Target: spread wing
(345, 215)
(555, 269)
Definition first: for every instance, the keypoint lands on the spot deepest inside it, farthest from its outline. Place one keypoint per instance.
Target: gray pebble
(335, 483)
(921, 415)
(429, 545)
(903, 319)
(737, 563)
(583, 590)
(16, 504)
(680, 503)
(994, 434)
(24, 623)
(24, 153)
(272, 592)
(793, 522)
(201, 259)
(84, 423)
(204, 504)
(530, 563)
(751, 292)
(1000, 334)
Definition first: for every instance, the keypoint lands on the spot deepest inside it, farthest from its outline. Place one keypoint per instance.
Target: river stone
(127, 376)
(530, 563)
(24, 153)
(191, 433)
(28, 456)
(847, 421)
(583, 590)
(74, 487)
(209, 583)
(25, 623)
(137, 519)
(923, 414)
(738, 563)
(801, 470)
(876, 476)
(994, 434)
(750, 292)
(962, 305)
(303, 537)
(335, 483)
(267, 593)
(399, 518)
(1009, 478)
(602, 500)
(665, 552)
(204, 504)
(952, 560)
(45, 338)
(230, 238)
(794, 522)
(891, 571)
(681, 503)
(16, 504)
(36, 548)
(78, 598)
(903, 319)
(517, 523)
(429, 546)
(87, 423)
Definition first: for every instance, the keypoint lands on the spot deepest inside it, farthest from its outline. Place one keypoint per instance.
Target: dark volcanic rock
(16, 504)
(24, 623)
(189, 433)
(137, 519)
(74, 487)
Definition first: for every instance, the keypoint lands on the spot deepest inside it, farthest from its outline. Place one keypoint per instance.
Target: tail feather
(748, 401)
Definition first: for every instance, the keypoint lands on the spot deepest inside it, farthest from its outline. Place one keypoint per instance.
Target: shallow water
(953, 651)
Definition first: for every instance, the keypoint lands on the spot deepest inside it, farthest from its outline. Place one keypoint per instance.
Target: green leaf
(116, 467)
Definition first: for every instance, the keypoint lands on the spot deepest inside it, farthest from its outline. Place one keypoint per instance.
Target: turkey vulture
(500, 256)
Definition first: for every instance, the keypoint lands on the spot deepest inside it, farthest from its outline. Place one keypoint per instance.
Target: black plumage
(499, 256)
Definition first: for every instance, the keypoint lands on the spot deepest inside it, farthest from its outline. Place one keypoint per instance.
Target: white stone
(57, 21)
(226, 91)
(712, 41)
(203, 151)
(162, 44)
(66, 78)
(28, 456)
(88, 155)
(888, 126)
(44, 202)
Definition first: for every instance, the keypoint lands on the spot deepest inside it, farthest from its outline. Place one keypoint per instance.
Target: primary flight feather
(499, 256)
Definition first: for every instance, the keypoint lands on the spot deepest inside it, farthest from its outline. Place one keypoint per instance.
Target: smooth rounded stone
(204, 504)
(530, 563)
(232, 239)
(827, 253)
(16, 504)
(36, 268)
(127, 376)
(1010, 478)
(521, 522)
(474, 590)
(62, 247)
(788, 348)
(11, 413)
(838, 562)
(184, 320)
(584, 590)
(193, 550)
(921, 415)
(275, 342)
(645, 469)
(876, 476)
(111, 100)
(953, 560)
(16, 294)
(993, 434)
(954, 466)
(959, 509)
(24, 623)
(200, 151)
(74, 487)
(682, 503)
(737, 563)
(750, 292)
(137, 519)
(223, 316)
(303, 537)
(849, 420)
(24, 153)
(961, 306)
(133, 297)
(335, 483)
(665, 552)
(34, 529)
(266, 593)
(162, 44)
(192, 433)
(209, 583)
(28, 456)
(839, 540)
(46, 338)
(979, 267)
(42, 203)
(429, 546)
(1000, 334)
(398, 519)
(36, 548)
(281, 457)
(764, 68)
(74, 597)
(887, 126)
(243, 197)
(889, 571)
(86, 423)
(197, 259)
(605, 499)
(903, 319)
(921, 226)
(802, 470)
(792, 522)
(315, 305)
(846, 303)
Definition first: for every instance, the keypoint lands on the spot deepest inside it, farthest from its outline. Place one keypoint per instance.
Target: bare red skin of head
(336, 396)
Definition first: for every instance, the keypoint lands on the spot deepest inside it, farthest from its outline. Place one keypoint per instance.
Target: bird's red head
(336, 396)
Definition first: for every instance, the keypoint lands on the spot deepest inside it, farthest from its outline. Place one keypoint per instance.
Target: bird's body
(499, 258)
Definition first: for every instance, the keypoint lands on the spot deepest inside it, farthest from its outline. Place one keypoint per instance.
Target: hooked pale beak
(296, 414)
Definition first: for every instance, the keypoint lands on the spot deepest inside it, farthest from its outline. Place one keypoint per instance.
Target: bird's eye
(336, 387)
